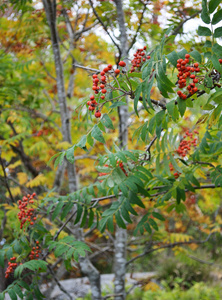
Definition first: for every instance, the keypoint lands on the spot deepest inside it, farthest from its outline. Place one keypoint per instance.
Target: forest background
(110, 146)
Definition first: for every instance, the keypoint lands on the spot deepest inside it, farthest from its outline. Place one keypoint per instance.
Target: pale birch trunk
(85, 265)
(121, 234)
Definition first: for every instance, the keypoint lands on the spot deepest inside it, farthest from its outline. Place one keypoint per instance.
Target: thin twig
(138, 28)
(203, 163)
(207, 186)
(104, 27)
(176, 30)
(112, 295)
(58, 283)
(87, 68)
(200, 260)
(171, 245)
(64, 225)
(6, 180)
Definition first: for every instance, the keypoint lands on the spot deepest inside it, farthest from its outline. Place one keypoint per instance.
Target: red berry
(187, 56)
(109, 66)
(103, 91)
(117, 71)
(196, 65)
(102, 97)
(94, 76)
(122, 64)
(102, 73)
(105, 70)
(97, 114)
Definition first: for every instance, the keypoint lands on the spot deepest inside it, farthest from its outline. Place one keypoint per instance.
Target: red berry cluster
(122, 167)
(184, 148)
(103, 174)
(185, 71)
(35, 251)
(26, 214)
(11, 266)
(185, 144)
(138, 60)
(98, 86)
(176, 174)
(120, 164)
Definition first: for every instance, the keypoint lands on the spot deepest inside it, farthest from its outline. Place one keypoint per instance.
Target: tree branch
(6, 179)
(176, 30)
(138, 28)
(104, 27)
(207, 186)
(58, 283)
(171, 245)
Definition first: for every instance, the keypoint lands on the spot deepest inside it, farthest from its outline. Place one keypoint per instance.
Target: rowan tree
(102, 140)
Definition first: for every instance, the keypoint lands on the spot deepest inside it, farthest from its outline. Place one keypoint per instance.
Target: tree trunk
(121, 234)
(85, 265)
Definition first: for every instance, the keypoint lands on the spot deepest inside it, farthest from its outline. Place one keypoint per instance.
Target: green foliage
(68, 248)
(142, 184)
(199, 291)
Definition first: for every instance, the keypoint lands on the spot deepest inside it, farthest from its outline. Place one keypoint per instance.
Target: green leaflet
(218, 32)
(173, 57)
(217, 17)
(106, 121)
(182, 106)
(196, 55)
(204, 13)
(97, 134)
(204, 31)
(70, 154)
(213, 4)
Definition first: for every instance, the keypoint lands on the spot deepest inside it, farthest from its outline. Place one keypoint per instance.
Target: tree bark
(85, 265)
(121, 234)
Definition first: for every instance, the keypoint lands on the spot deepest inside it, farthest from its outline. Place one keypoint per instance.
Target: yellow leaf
(38, 180)
(193, 246)
(12, 118)
(203, 119)
(15, 191)
(201, 174)
(63, 145)
(15, 165)
(151, 286)
(22, 177)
